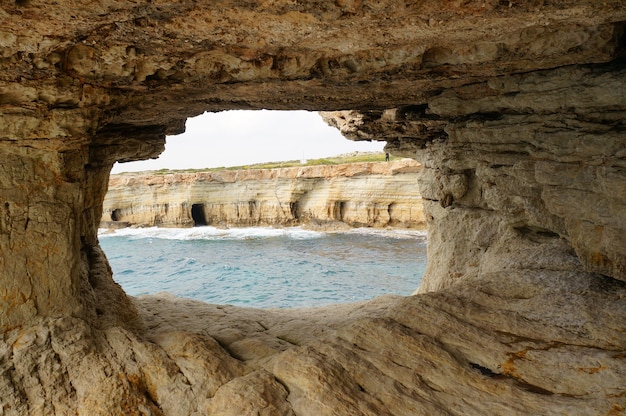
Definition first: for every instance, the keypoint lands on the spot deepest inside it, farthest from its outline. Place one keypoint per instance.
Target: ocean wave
(247, 233)
(211, 233)
(389, 232)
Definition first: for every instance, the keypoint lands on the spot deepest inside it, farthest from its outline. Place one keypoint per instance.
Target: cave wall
(515, 109)
(558, 173)
(540, 155)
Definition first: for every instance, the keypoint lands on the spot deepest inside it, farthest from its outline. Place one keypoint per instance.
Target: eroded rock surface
(480, 347)
(540, 154)
(375, 194)
(516, 110)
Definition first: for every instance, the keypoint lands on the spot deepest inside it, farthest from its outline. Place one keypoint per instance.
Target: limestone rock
(479, 351)
(515, 109)
(359, 194)
(522, 159)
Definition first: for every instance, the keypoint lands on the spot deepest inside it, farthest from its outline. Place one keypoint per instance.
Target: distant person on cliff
(386, 157)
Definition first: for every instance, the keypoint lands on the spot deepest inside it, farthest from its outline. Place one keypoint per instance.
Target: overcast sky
(234, 138)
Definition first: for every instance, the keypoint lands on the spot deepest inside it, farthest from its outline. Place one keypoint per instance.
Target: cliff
(374, 194)
(515, 110)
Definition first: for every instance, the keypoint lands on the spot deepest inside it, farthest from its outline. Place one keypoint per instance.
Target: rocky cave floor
(528, 332)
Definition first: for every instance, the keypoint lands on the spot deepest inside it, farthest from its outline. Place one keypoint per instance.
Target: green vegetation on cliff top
(357, 157)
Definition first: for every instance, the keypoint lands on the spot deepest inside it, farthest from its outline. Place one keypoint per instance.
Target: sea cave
(515, 110)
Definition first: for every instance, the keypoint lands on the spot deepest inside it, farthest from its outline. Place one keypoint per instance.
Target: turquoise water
(267, 267)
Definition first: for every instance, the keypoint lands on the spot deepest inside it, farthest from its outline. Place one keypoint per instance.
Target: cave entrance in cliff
(115, 215)
(197, 215)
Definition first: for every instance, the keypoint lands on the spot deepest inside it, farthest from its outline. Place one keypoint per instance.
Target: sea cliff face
(358, 194)
(515, 110)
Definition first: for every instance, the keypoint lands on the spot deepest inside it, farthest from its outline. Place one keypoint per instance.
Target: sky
(235, 138)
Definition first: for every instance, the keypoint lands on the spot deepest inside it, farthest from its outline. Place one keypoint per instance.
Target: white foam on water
(210, 233)
(389, 232)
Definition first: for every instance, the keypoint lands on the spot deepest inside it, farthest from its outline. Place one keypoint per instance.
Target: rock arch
(515, 109)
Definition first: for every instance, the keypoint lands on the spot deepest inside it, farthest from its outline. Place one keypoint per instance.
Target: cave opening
(198, 216)
(115, 215)
(205, 224)
(519, 319)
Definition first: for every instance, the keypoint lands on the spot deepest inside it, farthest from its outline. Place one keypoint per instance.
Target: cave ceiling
(90, 67)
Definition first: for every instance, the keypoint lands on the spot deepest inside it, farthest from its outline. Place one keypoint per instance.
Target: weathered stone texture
(376, 194)
(515, 109)
(539, 153)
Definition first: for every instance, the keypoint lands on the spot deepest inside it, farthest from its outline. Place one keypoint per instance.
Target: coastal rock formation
(542, 157)
(374, 194)
(515, 109)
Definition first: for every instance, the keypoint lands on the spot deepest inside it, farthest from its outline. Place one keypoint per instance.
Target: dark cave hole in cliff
(115, 215)
(197, 214)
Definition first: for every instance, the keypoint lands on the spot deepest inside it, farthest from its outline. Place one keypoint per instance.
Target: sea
(266, 267)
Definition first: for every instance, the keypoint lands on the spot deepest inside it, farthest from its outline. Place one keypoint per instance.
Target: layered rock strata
(540, 154)
(375, 194)
(515, 109)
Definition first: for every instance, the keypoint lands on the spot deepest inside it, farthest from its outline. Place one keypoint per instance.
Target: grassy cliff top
(356, 157)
